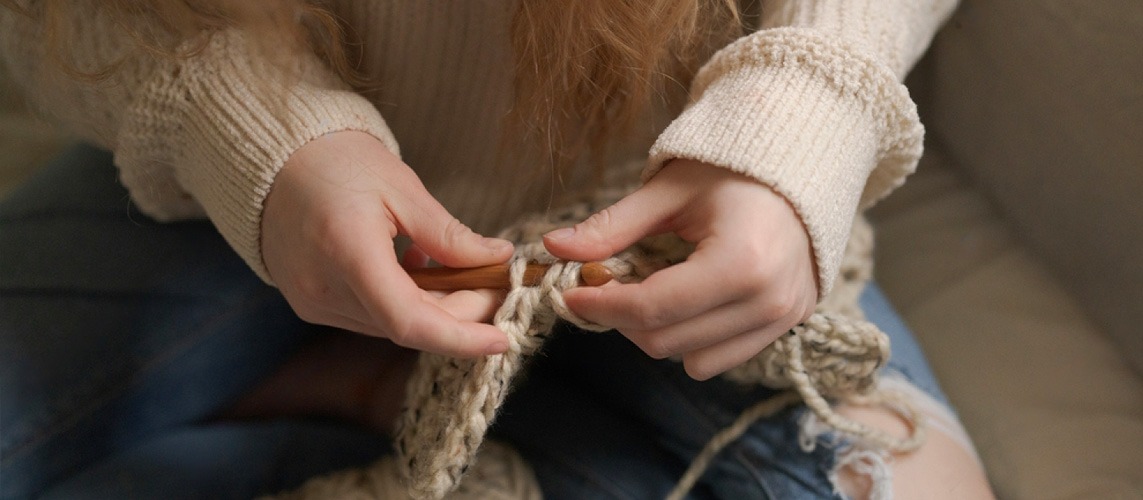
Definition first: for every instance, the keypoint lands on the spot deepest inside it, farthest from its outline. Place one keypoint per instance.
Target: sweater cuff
(827, 127)
(227, 122)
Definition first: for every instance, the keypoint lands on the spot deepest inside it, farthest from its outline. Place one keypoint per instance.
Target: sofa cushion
(1041, 101)
(1054, 409)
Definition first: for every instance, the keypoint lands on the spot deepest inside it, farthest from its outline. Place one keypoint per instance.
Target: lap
(597, 417)
(223, 460)
(113, 327)
(118, 335)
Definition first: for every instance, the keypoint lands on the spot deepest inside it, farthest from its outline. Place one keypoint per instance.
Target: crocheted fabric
(450, 403)
(500, 474)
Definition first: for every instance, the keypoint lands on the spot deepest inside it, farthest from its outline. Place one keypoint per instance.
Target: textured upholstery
(1014, 252)
(1041, 103)
(1053, 407)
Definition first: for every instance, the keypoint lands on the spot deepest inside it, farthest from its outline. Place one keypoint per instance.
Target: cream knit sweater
(810, 103)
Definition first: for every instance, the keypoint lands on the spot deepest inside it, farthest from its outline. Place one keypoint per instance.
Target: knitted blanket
(834, 356)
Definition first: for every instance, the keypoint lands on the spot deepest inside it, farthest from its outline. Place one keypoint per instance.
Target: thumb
(614, 228)
(445, 239)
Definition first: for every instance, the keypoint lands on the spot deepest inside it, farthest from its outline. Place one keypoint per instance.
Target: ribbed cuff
(825, 126)
(228, 122)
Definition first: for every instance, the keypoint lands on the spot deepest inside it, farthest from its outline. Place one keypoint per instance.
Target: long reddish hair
(585, 69)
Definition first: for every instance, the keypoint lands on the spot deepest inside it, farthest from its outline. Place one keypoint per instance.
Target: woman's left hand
(750, 279)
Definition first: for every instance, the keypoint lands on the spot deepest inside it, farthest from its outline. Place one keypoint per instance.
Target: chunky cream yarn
(450, 403)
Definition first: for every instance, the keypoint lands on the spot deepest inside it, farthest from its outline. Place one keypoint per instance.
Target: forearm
(225, 122)
(812, 105)
(201, 133)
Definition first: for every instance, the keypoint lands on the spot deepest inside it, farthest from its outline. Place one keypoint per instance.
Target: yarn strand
(762, 409)
(833, 357)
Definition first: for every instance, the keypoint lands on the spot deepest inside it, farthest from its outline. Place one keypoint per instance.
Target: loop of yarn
(834, 355)
(451, 402)
(500, 474)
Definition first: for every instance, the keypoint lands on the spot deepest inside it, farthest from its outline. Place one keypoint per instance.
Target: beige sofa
(1015, 251)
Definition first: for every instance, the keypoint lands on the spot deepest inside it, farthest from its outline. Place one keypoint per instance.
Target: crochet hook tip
(595, 274)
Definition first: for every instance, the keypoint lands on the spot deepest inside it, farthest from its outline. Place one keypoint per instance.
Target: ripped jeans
(121, 337)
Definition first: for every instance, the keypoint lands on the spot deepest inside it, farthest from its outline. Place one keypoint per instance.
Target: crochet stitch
(451, 403)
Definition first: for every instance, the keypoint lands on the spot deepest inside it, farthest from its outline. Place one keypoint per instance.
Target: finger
(707, 329)
(705, 363)
(442, 237)
(464, 305)
(413, 318)
(668, 296)
(352, 325)
(428, 326)
(642, 213)
(472, 305)
(345, 313)
(343, 310)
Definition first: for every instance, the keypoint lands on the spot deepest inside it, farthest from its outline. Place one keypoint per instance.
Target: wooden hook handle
(496, 276)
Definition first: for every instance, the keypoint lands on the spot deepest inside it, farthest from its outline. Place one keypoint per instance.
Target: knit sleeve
(812, 105)
(199, 136)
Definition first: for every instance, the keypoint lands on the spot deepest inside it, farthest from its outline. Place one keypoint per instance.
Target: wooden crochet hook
(496, 277)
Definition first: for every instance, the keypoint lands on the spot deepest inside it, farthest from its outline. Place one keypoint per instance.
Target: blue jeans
(121, 337)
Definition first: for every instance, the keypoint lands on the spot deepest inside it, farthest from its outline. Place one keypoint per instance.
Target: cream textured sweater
(810, 103)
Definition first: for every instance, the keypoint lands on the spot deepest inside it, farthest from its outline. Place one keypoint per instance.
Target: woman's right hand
(327, 240)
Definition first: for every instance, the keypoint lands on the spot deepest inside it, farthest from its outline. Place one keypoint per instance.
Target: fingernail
(496, 348)
(496, 245)
(560, 234)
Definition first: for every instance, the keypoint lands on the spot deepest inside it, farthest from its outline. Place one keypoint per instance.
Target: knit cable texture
(834, 356)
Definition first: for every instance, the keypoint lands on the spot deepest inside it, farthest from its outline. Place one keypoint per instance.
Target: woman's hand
(327, 241)
(750, 279)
